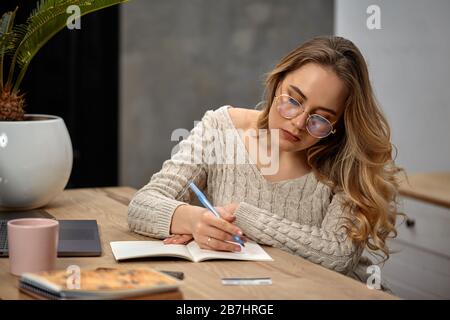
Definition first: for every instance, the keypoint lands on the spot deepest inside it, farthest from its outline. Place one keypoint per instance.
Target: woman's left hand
(178, 239)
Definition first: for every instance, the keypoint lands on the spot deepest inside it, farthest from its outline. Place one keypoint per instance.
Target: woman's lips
(288, 136)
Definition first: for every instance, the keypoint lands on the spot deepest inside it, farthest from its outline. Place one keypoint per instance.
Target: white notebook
(123, 250)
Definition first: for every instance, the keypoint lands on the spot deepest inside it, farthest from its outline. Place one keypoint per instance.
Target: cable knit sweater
(301, 216)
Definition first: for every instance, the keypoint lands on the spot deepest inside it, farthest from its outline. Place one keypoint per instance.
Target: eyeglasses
(289, 108)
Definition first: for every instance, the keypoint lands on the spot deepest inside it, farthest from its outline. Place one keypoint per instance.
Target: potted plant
(35, 149)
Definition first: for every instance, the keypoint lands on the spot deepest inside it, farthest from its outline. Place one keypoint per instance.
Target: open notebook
(123, 250)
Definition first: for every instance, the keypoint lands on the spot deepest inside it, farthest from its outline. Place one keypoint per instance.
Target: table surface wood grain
(431, 187)
(292, 276)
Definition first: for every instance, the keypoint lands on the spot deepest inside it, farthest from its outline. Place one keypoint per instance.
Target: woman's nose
(300, 120)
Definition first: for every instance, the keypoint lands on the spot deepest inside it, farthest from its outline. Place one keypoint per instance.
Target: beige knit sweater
(300, 216)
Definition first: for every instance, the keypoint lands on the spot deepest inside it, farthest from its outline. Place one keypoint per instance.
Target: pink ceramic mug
(33, 245)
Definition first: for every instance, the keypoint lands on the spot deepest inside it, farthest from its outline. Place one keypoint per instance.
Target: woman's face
(319, 91)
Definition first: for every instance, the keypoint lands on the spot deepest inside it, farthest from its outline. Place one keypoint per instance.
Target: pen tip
(239, 240)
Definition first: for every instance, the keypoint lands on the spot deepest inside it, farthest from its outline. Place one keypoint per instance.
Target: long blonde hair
(357, 159)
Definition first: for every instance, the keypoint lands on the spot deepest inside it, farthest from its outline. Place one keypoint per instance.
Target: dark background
(75, 76)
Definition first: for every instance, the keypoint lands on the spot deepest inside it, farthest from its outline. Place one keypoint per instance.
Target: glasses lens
(318, 126)
(288, 107)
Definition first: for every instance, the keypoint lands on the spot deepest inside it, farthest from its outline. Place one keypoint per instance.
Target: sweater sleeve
(151, 209)
(327, 245)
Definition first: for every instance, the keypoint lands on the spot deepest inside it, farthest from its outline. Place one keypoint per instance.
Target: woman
(334, 191)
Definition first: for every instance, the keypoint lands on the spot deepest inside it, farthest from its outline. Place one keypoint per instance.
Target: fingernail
(174, 240)
(237, 248)
(240, 232)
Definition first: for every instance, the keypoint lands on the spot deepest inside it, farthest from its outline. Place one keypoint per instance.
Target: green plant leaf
(6, 22)
(8, 42)
(49, 17)
(8, 39)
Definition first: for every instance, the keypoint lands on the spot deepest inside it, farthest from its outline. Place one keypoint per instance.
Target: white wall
(409, 64)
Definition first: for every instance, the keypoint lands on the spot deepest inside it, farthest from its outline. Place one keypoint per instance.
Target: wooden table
(292, 276)
(431, 187)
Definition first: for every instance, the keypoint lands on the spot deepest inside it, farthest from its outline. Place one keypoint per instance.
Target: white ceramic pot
(35, 161)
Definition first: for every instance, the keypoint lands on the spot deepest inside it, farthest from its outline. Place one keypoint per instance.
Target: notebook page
(252, 251)
(141, 249)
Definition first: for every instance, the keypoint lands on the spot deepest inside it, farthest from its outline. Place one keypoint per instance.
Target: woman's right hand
(212, 233)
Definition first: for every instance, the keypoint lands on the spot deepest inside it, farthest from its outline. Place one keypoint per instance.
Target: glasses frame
(332, 131)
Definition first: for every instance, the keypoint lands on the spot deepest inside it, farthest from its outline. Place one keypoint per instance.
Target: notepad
(124, 250)
(100, 283)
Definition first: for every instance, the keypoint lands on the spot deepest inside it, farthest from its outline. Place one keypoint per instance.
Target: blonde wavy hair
(357, 159)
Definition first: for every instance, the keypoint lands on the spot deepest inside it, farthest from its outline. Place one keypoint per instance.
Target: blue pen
(209, 206)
